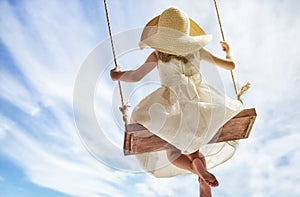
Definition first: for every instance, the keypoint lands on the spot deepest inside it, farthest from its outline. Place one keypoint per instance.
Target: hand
(226, 48)
(115, 73)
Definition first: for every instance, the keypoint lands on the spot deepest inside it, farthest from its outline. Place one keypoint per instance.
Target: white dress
(187, 113)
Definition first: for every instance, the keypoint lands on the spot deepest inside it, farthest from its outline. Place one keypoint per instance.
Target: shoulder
(205, 54)
(152, 57)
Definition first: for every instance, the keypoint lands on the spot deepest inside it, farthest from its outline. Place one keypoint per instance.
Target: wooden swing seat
(139, 140)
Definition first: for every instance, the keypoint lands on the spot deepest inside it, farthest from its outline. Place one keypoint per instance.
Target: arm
(135, 75)
(226, 63)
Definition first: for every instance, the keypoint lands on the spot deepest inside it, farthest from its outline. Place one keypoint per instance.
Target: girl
(184, 111)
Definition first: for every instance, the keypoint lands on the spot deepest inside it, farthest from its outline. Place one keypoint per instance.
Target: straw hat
(174, 32)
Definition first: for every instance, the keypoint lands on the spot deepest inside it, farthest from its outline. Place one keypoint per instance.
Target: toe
(213, 183)
(216, 184)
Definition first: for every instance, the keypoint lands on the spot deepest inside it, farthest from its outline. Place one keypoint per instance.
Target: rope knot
(243, 91)
(124, 109)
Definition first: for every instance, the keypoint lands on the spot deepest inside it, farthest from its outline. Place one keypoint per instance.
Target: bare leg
(199, 165)
(205, 190)
(180, 160)
(190, 163)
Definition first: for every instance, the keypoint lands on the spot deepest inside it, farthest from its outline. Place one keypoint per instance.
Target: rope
(223, 38)
(124, 107)
(247, 85)
(219, 20)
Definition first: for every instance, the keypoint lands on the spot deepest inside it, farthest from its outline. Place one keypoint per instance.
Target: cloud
(261, 48)
(178, 186)
(14, 91)
(48, 55)
(40, 45)
(66, 167)
(48, 42)
(264, 37)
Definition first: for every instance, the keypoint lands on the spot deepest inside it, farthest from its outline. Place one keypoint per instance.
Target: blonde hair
(165, 57)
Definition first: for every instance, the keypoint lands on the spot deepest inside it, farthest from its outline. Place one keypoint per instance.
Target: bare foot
(209, 178)
(205, 190)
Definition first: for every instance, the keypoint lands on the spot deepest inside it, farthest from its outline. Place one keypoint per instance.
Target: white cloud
(15, 92)
(177, 186)
(264, 37)
(2, 133)
(47, 52)
(48, 55)
(51, 41)
(64, 167)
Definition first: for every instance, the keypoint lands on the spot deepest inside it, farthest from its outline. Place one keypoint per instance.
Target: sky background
(45, 46)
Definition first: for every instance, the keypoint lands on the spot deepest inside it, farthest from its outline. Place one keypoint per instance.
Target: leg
(186, 162)
(199, 165)
(180, 160)
(205, 190)
(199, 155)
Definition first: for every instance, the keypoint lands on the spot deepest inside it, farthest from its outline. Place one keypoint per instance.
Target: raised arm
(226, 63)
(135, 75)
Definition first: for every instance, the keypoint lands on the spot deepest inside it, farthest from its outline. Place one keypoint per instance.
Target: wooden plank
(238, 127)
(139, 140)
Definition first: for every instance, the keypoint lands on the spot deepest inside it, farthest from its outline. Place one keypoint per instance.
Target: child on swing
(184, 111)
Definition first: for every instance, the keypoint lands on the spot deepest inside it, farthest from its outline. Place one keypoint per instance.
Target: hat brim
(174, 42)
(171, 41)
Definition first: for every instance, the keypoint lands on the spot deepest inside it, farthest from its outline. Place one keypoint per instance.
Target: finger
(224, 43)
(224, 48)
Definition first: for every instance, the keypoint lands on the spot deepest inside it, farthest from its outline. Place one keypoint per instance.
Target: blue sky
(45, 47)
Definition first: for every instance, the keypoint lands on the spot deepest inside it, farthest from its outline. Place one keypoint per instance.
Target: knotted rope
(124, 107)
(247, 85)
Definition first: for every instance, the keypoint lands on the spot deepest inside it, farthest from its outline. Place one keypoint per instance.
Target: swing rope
(124, 106)
(247, 85)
